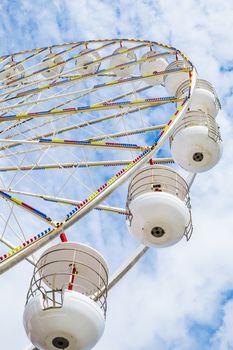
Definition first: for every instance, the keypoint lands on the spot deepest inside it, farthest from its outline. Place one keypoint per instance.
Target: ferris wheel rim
(146, 155)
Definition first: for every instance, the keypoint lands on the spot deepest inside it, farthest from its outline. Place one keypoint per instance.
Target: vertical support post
(74, 272)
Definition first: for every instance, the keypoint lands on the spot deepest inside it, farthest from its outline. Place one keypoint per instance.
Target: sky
(178, 298)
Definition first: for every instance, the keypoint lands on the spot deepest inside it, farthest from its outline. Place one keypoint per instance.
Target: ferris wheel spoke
(126, 133)
(17, 123)
(105, 208)
(151, 102)
(85, 164)
(38, 99)
(31, 150)
(82, 144)
(132, 92)
(26, 207)
(8, 109)
(4, 58)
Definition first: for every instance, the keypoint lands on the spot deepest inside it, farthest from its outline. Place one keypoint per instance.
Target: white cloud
(223, 338)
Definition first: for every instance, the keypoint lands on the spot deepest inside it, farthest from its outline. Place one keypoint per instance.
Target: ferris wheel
(81, 124)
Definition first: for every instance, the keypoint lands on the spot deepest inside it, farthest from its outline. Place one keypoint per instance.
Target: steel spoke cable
(69, 172)
(8, 224)
(82, 184)
(38, 183)
(133, 154)
(26, 174)
(61, 130)
(13, 250)
(84, 124)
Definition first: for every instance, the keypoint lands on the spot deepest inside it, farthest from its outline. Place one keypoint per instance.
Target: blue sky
(178, 298)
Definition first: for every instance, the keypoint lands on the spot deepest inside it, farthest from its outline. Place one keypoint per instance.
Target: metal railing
(177, 64)
(199, 118)
(93, 284)
(200, 84)
(158, 179)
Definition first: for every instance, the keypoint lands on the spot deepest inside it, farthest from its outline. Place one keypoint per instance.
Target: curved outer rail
(104, 191)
